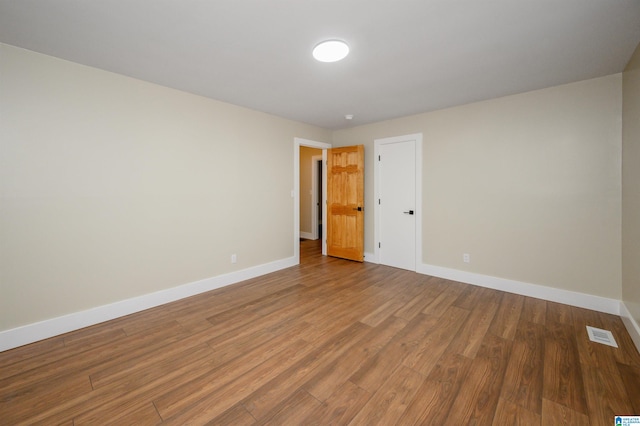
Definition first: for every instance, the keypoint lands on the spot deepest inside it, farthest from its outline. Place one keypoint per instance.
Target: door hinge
(379, 245)
(379, 201)
(378, 158)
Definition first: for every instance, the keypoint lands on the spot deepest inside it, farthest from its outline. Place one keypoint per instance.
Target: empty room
(319, 212)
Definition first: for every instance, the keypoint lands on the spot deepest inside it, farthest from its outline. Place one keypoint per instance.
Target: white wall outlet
(466, 258)
(234, 258)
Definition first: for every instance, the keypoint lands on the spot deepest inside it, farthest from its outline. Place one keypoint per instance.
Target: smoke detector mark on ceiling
(601, 336)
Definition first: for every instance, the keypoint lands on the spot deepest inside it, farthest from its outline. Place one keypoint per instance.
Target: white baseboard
(307, 235)
(370, 257)
(631, 325)
(581, 300)
(573, 298)
(30, 333)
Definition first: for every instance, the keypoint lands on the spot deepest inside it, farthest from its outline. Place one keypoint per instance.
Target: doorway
(296, 195)
(398, 188)
(310, 184)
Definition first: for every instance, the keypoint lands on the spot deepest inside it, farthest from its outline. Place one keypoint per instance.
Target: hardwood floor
(331, 342)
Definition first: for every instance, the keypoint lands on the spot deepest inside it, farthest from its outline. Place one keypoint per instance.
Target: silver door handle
(409, 212)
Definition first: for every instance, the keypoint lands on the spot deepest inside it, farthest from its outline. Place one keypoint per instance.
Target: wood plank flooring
(330, 342)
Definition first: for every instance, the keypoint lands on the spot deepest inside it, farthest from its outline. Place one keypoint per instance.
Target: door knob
(409, 212)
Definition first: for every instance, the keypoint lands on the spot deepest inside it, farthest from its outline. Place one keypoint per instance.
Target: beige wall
(528, 184)
(112, 187)
(306, 170)
(631, 187)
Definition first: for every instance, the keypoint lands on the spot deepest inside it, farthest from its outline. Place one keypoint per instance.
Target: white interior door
(397, 204)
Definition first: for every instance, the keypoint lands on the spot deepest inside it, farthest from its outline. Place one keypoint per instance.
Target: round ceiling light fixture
(331, 51)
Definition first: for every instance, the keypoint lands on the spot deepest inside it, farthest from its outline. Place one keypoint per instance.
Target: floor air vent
(601, 336)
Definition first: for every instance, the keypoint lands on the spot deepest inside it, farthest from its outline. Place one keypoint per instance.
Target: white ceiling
(406, 56)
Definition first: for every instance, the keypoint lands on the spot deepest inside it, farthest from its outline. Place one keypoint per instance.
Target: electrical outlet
(466, 258)
(234, 258)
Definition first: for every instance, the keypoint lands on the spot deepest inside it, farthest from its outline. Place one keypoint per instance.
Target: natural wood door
(345, 202)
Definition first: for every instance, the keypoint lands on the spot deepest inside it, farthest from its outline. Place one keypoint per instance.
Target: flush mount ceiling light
(331, 51)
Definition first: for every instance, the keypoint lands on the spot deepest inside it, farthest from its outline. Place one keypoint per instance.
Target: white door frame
(417, 137)
(295, 192)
